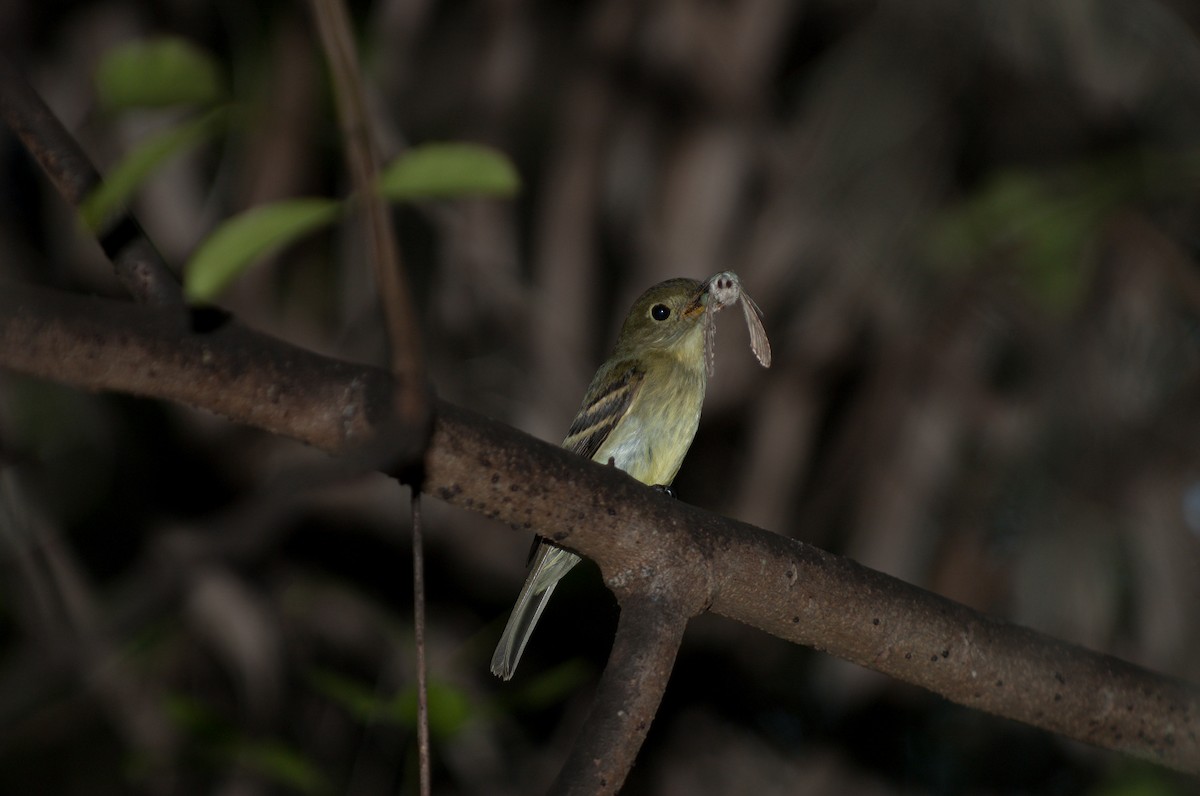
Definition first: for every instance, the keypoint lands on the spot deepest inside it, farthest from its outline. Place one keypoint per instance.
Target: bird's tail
(550, 563)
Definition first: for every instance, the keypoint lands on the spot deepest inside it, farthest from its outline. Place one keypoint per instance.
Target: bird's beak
(698, 304)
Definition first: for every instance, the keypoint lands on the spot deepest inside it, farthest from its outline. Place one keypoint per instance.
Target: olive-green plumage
(640, 413)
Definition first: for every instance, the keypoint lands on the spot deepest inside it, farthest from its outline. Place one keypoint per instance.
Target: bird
(640, 414)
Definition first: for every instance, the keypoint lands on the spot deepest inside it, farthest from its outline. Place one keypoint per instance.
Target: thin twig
(419, 633)
(138, 265)
(407, 361)
(411, 398)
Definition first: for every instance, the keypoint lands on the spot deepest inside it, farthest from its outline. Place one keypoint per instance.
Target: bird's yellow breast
(653, 437)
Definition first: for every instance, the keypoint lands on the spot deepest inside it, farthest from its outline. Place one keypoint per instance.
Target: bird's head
(669, 317)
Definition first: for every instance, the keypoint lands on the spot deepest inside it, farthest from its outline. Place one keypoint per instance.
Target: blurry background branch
(395, 295)
(138, 265)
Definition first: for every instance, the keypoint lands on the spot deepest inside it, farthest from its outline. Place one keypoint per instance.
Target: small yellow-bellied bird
(639, 414)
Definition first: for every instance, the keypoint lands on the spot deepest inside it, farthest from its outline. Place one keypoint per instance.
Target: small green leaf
(225, 745)
(139, 164)
(357, 699)
(196, 718)
(156, 73)
(244, 239)
(443, 171)
(1040, 223)
(449, 708)
(1138, 779)
(283, 765)
(552, 686)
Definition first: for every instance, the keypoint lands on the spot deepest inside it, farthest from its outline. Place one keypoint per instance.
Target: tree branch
(138, 265)
(648, 636)
(640, 539)
(262, 382)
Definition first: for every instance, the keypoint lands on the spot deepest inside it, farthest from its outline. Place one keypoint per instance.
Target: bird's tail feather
(549, 565)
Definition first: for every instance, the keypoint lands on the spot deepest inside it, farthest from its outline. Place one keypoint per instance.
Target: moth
(725, 289)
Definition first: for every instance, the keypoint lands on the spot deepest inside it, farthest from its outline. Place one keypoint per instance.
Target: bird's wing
(603, 407)
(605, 404)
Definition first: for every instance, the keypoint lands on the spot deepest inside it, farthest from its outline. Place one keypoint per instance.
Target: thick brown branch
(785, 587)
(249, 377)
(648, 636)
(968, 657)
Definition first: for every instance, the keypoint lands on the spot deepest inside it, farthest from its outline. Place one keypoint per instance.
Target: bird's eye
(660, 312)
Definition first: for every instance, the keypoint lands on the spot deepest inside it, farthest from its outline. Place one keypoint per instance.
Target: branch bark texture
(649, 633)
(641, 540)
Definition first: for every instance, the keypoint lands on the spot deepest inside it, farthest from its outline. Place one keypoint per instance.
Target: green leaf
(449, 707)
(552, 686)
(442, 171)
(245, 239)
(357, 699)
(1135, 778)
(139, 164)
(219, 741)
(1040, 223)
(156, 73)
(196, 718)
(283, 765)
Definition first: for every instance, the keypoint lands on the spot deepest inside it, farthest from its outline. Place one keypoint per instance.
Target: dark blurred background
(973, 229)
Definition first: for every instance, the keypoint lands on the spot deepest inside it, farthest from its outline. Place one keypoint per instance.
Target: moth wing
(759, 343)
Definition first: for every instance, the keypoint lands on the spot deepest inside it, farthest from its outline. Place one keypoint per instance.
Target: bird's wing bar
(602, 409)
